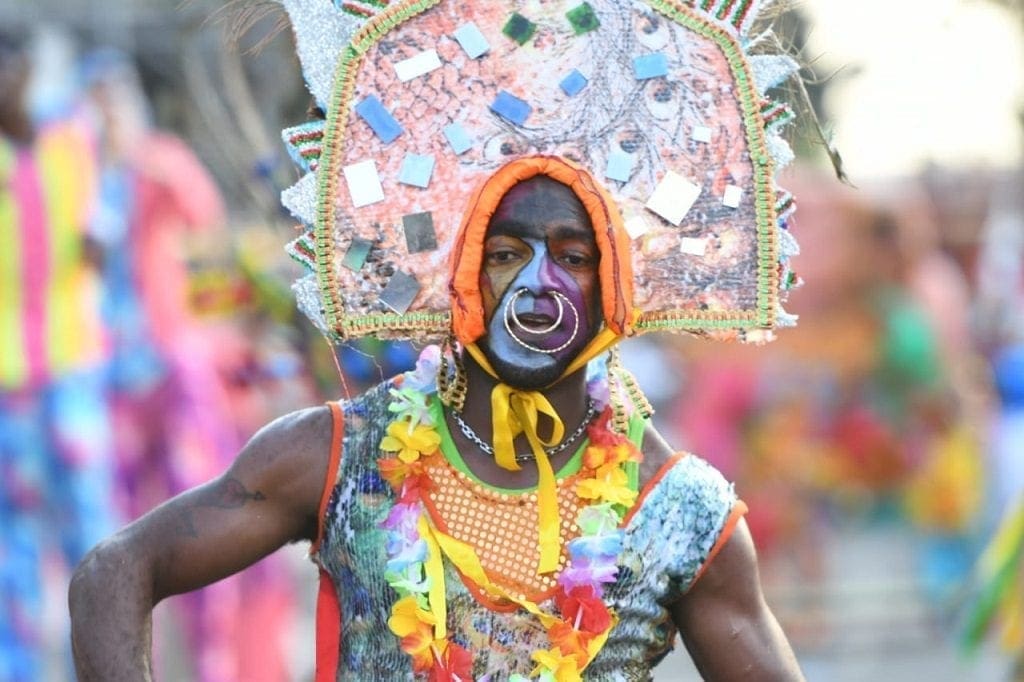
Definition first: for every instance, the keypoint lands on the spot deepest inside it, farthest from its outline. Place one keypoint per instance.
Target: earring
(625, 388)
(451, 375)
(511, 312)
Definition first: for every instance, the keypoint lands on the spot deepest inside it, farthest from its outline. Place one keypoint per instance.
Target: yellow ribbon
(435, 573)
(601, 342)
(465, 559)
(514, 412)
(596, 644)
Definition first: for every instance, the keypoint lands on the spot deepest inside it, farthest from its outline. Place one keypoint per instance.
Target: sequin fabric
(667, 541)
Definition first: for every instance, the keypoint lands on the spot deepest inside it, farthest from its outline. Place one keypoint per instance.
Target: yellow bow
(516, 412)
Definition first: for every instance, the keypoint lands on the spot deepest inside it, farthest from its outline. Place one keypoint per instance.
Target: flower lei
(414, 547)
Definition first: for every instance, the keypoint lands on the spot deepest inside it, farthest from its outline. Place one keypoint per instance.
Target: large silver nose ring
(509, 313)
(515, 318)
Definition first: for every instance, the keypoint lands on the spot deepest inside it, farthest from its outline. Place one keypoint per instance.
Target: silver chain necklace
(469, 433)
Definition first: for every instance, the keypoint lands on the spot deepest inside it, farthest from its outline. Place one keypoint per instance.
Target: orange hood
(615, 269)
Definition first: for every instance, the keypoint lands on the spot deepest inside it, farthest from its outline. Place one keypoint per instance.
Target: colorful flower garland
(415, 548)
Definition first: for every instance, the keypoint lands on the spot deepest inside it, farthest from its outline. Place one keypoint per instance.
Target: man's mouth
(536, 321)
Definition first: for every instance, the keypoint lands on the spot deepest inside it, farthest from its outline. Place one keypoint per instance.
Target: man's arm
(267, 498)
(726, 625)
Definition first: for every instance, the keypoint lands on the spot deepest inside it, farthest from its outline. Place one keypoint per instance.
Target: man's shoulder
(287, 461)
(301, 434)
(310, 427)
(683, 475)
(656, 453)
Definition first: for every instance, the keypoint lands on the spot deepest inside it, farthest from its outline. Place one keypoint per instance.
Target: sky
(922, 80)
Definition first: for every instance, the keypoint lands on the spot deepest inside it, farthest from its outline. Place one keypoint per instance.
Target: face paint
(539, 283)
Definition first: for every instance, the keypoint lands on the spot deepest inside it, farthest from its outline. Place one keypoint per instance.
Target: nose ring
(511, 305)
(562, 300)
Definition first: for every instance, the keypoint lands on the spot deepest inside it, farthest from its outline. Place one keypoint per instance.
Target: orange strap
(337, 435)
(738, 510)
(649, 486)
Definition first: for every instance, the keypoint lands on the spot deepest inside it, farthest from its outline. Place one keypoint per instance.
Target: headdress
(663, 105)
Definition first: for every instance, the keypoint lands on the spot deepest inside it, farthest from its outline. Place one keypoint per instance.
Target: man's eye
(502, 256)
(575, 259)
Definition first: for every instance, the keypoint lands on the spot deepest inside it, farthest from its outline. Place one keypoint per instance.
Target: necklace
(469, 433)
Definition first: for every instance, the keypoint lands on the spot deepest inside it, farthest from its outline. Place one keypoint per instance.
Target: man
(497, 513)
(539, 241)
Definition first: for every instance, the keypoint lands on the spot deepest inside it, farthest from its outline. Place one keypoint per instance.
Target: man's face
(540, 284)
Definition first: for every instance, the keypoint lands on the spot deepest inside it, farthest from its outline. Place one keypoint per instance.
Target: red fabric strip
(328, 630)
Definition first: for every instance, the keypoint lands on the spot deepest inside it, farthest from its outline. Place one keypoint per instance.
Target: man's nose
(536, 276)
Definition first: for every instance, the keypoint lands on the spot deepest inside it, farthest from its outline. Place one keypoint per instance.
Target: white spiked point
(771, 70)
(300, 199)
(321, 33)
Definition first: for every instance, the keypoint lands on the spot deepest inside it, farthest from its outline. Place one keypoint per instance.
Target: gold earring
(622, 384)
(451, 376)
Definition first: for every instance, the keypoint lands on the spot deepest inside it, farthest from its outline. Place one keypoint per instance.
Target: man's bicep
(266, 499)
(726, 625)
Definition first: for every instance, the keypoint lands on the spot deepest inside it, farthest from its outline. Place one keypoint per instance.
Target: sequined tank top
(682, 515)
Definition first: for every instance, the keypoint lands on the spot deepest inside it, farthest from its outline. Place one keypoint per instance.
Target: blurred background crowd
(147, 330)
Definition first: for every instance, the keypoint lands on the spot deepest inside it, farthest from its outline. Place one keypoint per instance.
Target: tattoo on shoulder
(228, 493)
